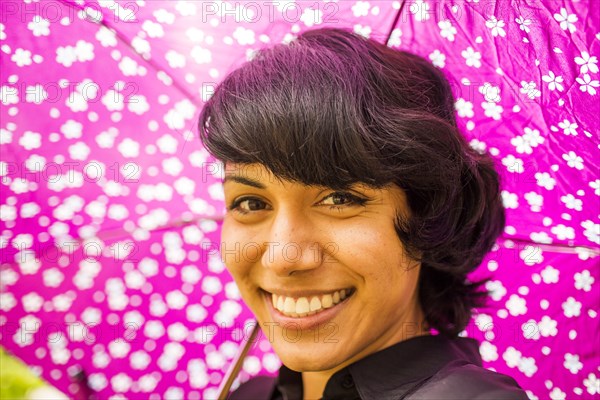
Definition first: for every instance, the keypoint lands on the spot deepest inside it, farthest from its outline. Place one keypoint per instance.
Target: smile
(305, 306)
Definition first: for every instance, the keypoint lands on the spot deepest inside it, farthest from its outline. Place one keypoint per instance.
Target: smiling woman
(356, 209)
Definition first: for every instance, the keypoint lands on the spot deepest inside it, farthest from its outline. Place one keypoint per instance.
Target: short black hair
(333, 108)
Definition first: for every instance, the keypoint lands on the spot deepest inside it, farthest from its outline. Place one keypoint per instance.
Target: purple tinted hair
(333, 108)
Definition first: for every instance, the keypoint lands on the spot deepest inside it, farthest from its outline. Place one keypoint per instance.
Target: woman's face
(304, 243)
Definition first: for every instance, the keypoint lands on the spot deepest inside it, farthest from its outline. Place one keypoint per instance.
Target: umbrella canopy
(526, 81)
(111, 208)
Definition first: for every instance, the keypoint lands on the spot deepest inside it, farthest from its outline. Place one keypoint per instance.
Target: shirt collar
(389, 373)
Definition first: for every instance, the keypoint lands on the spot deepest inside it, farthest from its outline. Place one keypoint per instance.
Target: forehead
(260, 176)
(249, 171)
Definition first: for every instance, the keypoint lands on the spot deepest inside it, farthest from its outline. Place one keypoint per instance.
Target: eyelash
(353, 201)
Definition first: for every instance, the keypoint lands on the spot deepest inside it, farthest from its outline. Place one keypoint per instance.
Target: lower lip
(307, 322)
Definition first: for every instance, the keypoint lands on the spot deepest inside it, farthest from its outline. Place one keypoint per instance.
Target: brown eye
(337, 199)
(247, 204)
(340, 198)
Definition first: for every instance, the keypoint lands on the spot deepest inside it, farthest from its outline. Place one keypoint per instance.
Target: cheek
(231, 241)
(376, 255)
(240, 247)
(369, 245)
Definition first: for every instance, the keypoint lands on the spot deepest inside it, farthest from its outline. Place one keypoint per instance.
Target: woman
(355, 212)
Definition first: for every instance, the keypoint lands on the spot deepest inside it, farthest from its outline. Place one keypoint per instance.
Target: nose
(290, 245)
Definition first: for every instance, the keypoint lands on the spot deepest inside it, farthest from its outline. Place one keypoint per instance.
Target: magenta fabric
(110, 208)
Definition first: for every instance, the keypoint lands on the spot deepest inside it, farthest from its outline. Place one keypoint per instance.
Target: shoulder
(259, 387)
(463, 380)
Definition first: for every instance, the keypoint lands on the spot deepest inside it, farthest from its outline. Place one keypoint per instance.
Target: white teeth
(336, 297)
(289, 306)
(327, 301)
(302, 306)
(315, 304)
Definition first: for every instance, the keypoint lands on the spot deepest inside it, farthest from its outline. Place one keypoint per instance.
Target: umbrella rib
(124, 40)
(396, 18)
(552, 247)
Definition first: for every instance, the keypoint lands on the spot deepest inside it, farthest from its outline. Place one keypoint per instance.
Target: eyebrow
(244, 181)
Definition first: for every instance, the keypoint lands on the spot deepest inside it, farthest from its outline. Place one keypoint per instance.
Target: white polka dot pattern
(110, 207)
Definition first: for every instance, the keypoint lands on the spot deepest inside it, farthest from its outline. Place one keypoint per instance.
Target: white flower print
(490, 92)
(592, 384)
(573, 160)
(472, 57)
(496, 290)
(510, 200)
(533, 137)
(82, 51)
(30, 140)
(447, 30)
(548, 326)
(583, 280)
(557, 394)
(571, 308)
(572, 363)
(312, 17)
(420, 9)
(545, 180)
(361, 8)
(587, 62)
(21, 57)
(492, 110)
(513, 165)
(521, 145)
(535, 201)
(437, 58)
(550, 274)
(363, 30)
(488, 351)
(511, 356)
(529, 88)
(478, 146)
(527, 366)
(516, 305)
(523, 23)
(596, 186)
(39, 26)
(587, 84)
(554, 82)
(592, 231)
(464, 108)
(568, 127)
(563, 232)
(396, 39)
(175, 59)
(566, 20)
(153, 29)
(496, 25)
(584, 253)
(571, 202)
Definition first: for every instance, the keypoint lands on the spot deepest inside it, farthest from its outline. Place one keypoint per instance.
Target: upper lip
(302, 293)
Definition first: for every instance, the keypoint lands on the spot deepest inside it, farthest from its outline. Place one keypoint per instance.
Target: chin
(297, 357)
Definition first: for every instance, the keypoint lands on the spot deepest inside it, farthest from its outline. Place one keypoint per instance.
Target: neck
(314, 382)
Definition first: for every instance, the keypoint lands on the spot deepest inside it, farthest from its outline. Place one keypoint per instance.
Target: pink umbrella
(526, 79)
(111, 279)
(111, 218)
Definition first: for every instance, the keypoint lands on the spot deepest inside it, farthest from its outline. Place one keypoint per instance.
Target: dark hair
(333, 108)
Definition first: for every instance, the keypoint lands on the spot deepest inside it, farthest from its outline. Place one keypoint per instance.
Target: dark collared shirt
(421, 368)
